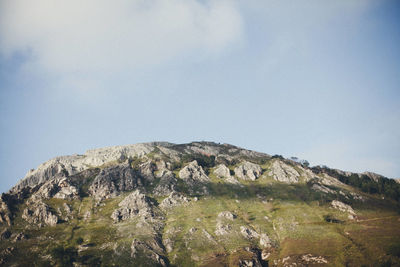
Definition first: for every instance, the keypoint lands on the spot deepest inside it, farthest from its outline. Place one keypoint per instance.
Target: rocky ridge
(146, 196)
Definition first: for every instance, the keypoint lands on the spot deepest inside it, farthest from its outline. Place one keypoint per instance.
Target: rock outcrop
(223, 227)
(173, 200)
(166, 185)
(248, 233)
(113, 180)
(283, 172)
(248, 171)
(193, 173)
(39, 214)
(153, 250)
(195, 177)
(343, 208)
(223, 172)
(70, 165)
(135, 204)
(5, 214)
(58, 187)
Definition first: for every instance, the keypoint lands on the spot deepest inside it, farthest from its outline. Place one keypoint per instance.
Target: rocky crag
(197, 204)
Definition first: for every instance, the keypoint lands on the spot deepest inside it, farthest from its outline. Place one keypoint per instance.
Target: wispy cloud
(103, 36)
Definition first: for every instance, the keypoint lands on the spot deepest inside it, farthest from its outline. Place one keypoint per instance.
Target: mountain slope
(197, 204)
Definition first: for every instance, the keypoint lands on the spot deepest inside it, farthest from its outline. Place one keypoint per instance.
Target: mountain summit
(197, 204)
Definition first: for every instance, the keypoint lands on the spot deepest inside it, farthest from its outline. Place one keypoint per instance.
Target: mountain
(197, 204)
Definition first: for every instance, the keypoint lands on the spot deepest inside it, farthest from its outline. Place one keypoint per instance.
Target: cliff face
(161, 204)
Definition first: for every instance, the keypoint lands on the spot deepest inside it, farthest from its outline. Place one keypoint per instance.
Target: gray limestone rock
(195, 178)
(39, 213)
(283, 172)
(322, 188)
(343, 207)
(70, 165)
(173, 200)
(135, 204)
(265, 241)
(166, 185)
(222, 229)
(152, 249)
(248, 171)
(58, 187)
(248, 233)
(223, 172)
(113, 180)
(193, 173)
(5, 214)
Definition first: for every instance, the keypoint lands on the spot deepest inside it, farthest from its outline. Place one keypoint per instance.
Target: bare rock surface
(193, 173)
(322, 188)
(5, 214)
(248, 171)
(282, 172)
(195, 177)
(135, 204)
(248, 233)
(152, 249)
(343, 207)
(59, 187)
(113, 180)
(265, 241)
(223, 172)
(69, 165)
(39, 213)
(166, 185)
(173, 200)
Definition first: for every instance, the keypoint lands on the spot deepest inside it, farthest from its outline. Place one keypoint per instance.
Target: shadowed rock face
(112, 181)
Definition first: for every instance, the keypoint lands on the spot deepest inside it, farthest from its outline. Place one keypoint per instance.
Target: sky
(315, 79)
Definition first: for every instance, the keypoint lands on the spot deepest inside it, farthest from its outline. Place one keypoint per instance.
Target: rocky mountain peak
(196, 204)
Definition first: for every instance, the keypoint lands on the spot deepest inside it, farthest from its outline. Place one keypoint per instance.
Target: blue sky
(319, 80)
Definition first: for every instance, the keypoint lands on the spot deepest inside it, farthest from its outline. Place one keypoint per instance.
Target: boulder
(193, 173)
(343, 207)
(223, 172)
(283, 172)
(248, 171)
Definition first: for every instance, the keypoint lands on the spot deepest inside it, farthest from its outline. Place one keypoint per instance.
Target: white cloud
(105, 36)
